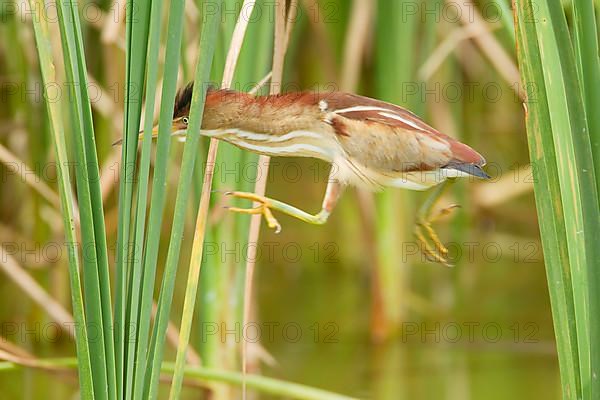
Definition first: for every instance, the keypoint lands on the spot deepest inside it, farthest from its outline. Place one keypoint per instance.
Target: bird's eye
(185, 120)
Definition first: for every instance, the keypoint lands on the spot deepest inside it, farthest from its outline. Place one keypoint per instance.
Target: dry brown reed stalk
(284, 24)
(35, 291)
(33, 362)
(504, 189)
(202, 216)
(488, 44)
(30, 177)
(447, 46)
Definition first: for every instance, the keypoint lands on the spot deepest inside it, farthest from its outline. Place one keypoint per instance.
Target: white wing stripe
(384, 112)
(399, 118)
(359, 108)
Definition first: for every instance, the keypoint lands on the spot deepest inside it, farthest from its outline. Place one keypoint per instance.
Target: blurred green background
(351, 306)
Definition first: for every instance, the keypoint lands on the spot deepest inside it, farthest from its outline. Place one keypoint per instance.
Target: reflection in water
(485, 357)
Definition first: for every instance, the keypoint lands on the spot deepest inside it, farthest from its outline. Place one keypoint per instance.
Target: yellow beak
(174, 128)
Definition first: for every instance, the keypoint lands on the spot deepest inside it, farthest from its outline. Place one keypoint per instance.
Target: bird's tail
(467, 168)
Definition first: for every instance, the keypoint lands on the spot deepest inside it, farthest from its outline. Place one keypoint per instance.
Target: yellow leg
(266, 205)
(261, 209)
(424, 231)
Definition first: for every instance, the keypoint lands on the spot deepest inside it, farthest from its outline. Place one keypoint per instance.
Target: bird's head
(181, 110)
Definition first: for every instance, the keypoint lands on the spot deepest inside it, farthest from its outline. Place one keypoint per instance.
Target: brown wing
(359, 108)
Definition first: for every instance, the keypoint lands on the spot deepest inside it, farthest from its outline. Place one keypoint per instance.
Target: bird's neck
(267, 114)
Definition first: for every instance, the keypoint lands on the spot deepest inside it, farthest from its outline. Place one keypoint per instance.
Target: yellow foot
(263, 208)
(425, 235)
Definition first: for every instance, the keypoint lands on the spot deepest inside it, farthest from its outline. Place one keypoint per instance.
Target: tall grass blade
(156, 353)
(157, 201)
(206, 51)
(588, 67)
(128, 249)
(143, 46)
(43, 42)
(547, 42)
(95, 259)
(576, 177)
(548, 202)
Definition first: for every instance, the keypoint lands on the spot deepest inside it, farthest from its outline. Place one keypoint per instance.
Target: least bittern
(370, 143)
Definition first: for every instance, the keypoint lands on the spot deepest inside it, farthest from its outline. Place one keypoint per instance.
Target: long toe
(435, 254)
(271, 220)
(434, 237)
(247, 196)
(255, 210)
